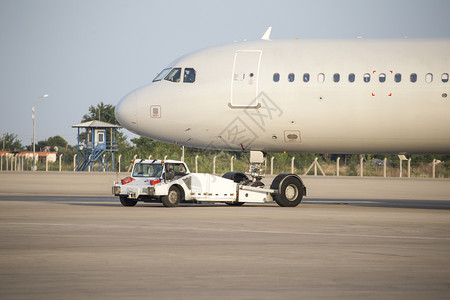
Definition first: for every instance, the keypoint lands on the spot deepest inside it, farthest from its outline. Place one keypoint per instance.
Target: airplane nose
(126, 112)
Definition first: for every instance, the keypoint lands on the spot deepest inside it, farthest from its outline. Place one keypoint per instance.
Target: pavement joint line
(231, 230)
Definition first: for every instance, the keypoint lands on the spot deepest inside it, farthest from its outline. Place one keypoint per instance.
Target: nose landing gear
(288, 189)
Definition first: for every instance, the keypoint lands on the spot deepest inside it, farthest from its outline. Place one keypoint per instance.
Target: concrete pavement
(57, 242)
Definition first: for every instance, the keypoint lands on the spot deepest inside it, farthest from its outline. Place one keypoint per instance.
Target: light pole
(34, 167)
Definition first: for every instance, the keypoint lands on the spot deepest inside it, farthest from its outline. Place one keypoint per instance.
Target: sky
(83, 52)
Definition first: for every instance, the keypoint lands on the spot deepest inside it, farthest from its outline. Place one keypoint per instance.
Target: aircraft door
(245, 78)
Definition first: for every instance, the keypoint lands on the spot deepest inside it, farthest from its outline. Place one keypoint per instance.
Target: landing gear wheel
(257, 184)
(290, 193)
(173, 198)
(236, 176)
(127, 202)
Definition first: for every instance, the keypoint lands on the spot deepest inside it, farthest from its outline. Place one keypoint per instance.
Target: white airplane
(311, 96)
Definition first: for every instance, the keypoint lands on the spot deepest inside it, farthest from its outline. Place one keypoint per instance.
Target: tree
(102, 112)
(11, 142)
(57, 141)
(144, 147)
(52, 142)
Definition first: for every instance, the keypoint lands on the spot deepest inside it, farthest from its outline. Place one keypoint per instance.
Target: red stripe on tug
(153, 182)
(126, 180)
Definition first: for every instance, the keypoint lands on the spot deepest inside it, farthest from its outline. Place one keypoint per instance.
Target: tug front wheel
(173, 197)
(235, 203)
(290, 190)
(127, 202)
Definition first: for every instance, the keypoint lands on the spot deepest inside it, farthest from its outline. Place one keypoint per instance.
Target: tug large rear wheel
(290, 190)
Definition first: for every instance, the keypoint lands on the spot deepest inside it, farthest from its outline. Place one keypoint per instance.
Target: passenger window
(336, 77)
(413, 77)
(291, 77)
(306, 77)
(321, 77)
(174, 75)
(367, 77)
(444, 77)
(382, 77)
(429, 77)
(398, 77)
(276, 77)
(351, 77)
(189, 75)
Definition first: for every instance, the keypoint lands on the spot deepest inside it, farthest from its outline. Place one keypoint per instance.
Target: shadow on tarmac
(111, 201)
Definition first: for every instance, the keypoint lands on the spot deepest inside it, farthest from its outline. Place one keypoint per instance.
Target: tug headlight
(151, 190)
(116, 190)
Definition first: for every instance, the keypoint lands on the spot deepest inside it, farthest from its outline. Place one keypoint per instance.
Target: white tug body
(171, 183)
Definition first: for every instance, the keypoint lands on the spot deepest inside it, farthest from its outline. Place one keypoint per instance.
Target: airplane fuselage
(311, 96)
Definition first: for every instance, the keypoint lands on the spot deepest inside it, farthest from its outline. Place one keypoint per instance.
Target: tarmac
(64, 236)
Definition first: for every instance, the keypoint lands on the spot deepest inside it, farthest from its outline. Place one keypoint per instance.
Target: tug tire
(127, 202)
(290, 190)
(173, 197)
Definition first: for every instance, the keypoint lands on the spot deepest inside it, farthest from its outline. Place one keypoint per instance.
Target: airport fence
(221, 162)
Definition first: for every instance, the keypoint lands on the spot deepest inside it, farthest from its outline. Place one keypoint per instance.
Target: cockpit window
(174, 75)
(189, 75)
(162, 74)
